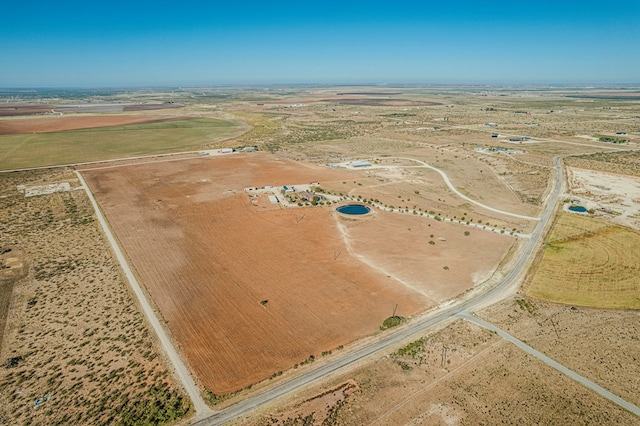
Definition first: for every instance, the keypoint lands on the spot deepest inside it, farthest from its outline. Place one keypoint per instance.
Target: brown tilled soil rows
(209, 259)
(17, 126)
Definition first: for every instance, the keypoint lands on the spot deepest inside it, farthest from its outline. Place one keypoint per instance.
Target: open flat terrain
(57, 124)
(588, 262)
(208, 258)
(95, 144)
(251, 290)
(75, 349)
(464, 374)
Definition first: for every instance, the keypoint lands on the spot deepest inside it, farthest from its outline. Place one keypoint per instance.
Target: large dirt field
(251, 290)
(209, 258)
(17, 126)
(436, 259)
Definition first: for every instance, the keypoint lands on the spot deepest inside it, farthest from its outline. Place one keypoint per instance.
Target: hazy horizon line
(495, 84)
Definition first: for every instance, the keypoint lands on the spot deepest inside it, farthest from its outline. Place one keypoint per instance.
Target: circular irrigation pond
(353, 209)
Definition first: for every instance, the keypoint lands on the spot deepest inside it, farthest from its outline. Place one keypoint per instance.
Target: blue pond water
(579, 209)
(354, 209)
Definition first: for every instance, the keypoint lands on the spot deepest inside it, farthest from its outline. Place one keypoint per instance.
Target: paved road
(542, 357)
(507, 286)
(202, 409)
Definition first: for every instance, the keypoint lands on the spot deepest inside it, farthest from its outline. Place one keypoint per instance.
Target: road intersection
(507, 286)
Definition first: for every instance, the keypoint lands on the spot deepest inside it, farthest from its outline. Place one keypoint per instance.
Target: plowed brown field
(57, 124)
(208, 259)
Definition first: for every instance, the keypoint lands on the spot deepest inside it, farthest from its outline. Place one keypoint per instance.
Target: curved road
(415, 328)
(201, 408)
(461, 195)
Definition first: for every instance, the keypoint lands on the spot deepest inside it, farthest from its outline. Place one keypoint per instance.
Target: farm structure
(208, 260)
(360, 164)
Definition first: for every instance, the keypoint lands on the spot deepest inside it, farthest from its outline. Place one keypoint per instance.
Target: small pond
(354, 209)
(579, 209)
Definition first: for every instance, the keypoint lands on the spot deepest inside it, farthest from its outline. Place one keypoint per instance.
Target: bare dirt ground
(432, 258)
(599, 344)
(379, 102)
(57, 124)
(462, 374)
(246, 294)
(612, 196)
(275, 285)
(14, 110)
(23, 109)
(75, 349)
(189, 228)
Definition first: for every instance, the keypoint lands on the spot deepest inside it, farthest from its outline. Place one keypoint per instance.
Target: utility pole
(444, 355)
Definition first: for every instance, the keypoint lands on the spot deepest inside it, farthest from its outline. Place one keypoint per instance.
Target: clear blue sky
(133, 43)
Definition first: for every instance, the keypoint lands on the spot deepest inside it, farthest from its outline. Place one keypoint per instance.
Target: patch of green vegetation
(77, 146)
(413, 350)
(216, 399)
(160, 405)
(610, 139)
(398, 114)
(525, 305)
(391, 322)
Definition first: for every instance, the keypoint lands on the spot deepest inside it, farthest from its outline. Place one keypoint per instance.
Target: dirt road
(181, 371)
(561, 368)
(506, 287)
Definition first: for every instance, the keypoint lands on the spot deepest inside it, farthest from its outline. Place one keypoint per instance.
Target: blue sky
(144, 43)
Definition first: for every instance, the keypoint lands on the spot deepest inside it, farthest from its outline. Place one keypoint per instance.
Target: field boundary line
(181, 372)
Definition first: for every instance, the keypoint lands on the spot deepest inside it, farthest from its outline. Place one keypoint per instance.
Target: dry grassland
(75, 348)
(602, 345)
(462, 374)
(249, 291)
(588, 262)
(625, 163)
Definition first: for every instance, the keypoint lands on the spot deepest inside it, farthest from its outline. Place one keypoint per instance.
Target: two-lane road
(415, 328)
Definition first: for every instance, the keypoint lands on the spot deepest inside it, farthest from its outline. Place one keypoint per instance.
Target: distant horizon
(381, 85)
(134, 44)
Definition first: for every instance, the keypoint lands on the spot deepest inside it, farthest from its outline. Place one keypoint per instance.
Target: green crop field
(588, 262)
(76, 146)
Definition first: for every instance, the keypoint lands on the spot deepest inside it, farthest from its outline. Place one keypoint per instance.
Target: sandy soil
(460, 375)
(209, 260)
(275, 285)
(75, 349)
(432, 258)
(615, 197)
(599, 344)
(57, 124)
